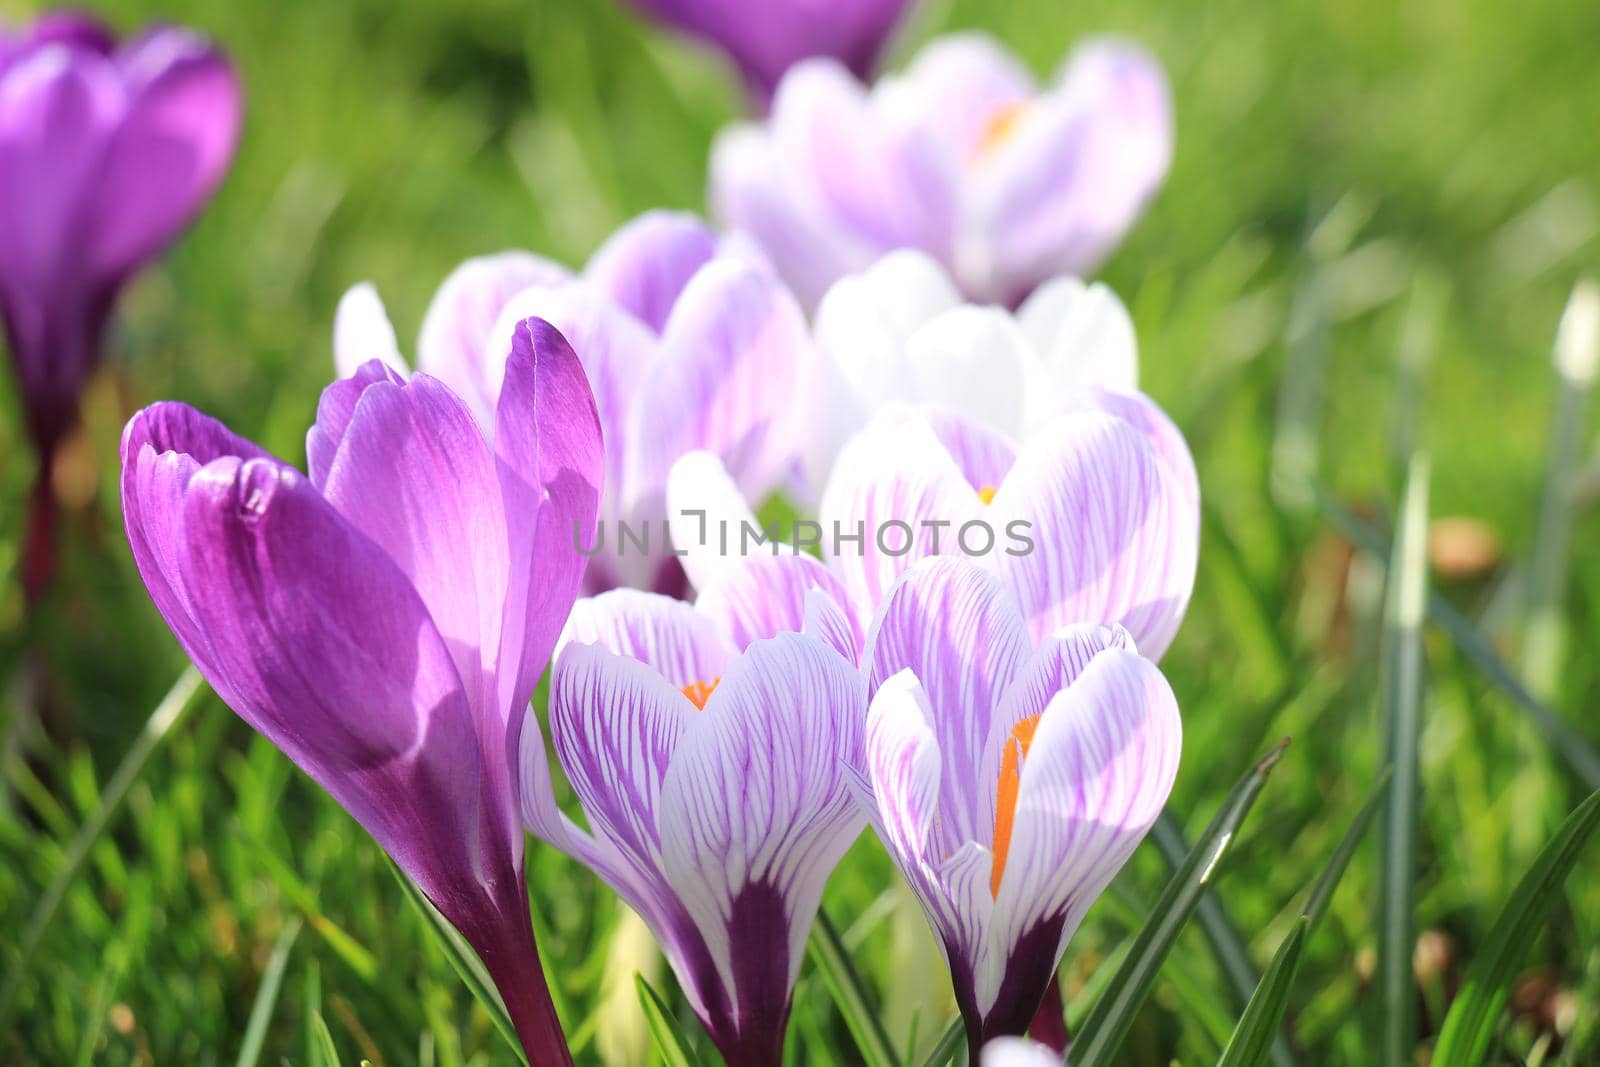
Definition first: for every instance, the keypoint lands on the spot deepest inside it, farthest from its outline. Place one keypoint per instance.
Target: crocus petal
(323, 647)
(644, 266)
(171, 150)
(959, 631)
(899, 491)
(983, 455)
(708, 517)
(454, 345)
(549, 456)
(678, 642)
(1083, 335)
(163, 447)
(1069, 182)
(768, 595)
(1101, 764)
(902, 762)
(616, 723)
(974, 361)
(362, 332)
(959, 84)
(732, 355)
(335, 408)
(414, 473)
(1109, 544)
(755, 813)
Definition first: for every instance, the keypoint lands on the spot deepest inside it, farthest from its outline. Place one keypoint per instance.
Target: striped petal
(958, 630)
(645, 265)
(1097, 774)
(768, 595)
(756, 812)
(675, 640)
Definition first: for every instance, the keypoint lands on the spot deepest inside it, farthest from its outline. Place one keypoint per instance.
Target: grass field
(1375, 216)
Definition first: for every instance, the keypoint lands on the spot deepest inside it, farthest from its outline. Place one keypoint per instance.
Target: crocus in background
(963, 156)
(107, 151)
(765, 39)
(689, 339)
(1009, 778)
(385, 619)
(1018, 1052)
(709, 746)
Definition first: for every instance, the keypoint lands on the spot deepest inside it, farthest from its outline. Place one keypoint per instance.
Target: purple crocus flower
(1009, 778)
(709, 747)
(689, 339)
(384, 620)
(107, 151)
(765, 39)
(963, 156)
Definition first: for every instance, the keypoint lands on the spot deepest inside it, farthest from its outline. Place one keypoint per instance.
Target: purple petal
(958, 84)
(1111, 542)
(755, 813)
(1096, 776)
(985, 456)
(767, 595)
(551, 467)
(171, 150)
(335, 409)
(678, 642)
(454, 345)
(644, 266)
(323, 646)
(959, 631)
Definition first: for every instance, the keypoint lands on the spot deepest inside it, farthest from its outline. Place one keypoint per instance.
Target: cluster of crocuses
(727, 723)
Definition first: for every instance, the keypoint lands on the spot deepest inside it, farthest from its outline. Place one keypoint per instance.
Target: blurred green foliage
(1354, 181)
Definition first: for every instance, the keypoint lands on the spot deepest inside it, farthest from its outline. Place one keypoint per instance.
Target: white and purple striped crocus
(689, 339)
(107, 151)
(385, 619)
(709, 746)
(765, 39)
(963, 156)
(1009, 777)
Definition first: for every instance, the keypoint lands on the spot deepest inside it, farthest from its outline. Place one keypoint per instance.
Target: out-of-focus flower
(963, 156)
(107, 151)
(690, 342)
(767, 38)
(384, 621)
(1018, 1052)
(710, 747)
(1010, 779)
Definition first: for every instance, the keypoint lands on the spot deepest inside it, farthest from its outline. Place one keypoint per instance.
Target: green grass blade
(325, 1046)
(1226, 944)
(1568, 744)
(1321, 896)
(1470, 1025)
(1252, 1040)
(1097, 1041)
(255, 1031)
(462, 959)
(849, 993)
(168, 713)
(953, 1040)
(1403, 711)
(669, 1040)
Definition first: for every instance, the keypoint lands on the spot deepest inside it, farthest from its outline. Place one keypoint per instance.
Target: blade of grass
(1321, 896)
(168, 713)
(1102, 1032)
(1258, 1028)
(953, 1040)
(1470, 1025)
(1226, 943)
(669, 1040)
(849, 993)
(1565, 742)
(1403, 703)
(325, 1046)
(463, 959)
(255, 1031)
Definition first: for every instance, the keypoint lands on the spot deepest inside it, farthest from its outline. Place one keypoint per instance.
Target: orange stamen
(1005, 796)
(986, 494)
(999, 127)
(700, 692)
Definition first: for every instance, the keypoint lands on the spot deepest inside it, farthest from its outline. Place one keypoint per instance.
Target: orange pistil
(986, 494)
(999, 127)
(700, 692)
(1005, 796)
